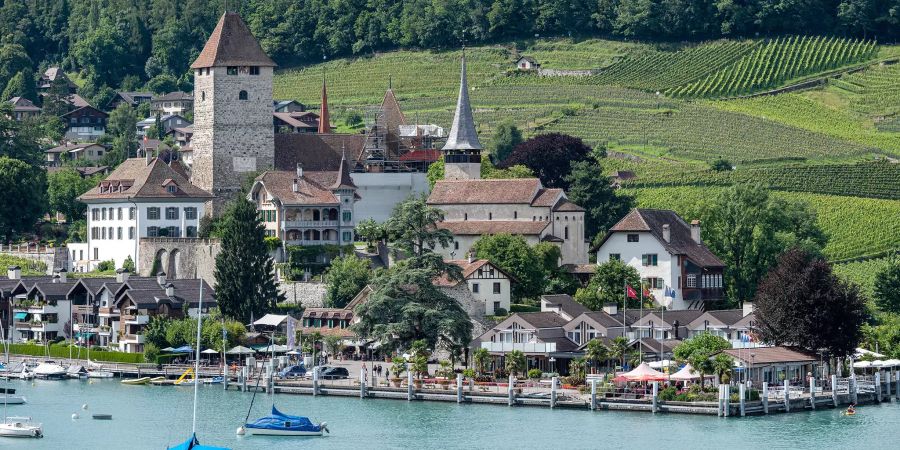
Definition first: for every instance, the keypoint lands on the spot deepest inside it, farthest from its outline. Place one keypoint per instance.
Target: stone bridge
(178, 257)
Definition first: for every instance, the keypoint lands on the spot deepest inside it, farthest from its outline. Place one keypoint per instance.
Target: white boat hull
(101, 374)
(13, 400)
(265, 432)
(20, 429)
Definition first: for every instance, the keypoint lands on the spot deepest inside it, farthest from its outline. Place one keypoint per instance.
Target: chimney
(121, 275)
(149, 156)
(299, 170)
(471, 257)
(611, 308)
(14, 272)
(667, 235)
(676, 326)
(749, 308)
(695, 231)
(62, 274)
(170, 290)
(161, 278)
(294, 187)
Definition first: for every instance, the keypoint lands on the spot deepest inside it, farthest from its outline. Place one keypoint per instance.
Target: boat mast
(197, 355)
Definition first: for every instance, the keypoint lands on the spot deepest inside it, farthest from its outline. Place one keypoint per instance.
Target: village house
(129, 98)
(168, 121)
(23, 109)
(487, 283)
(84, 123)
(527, 63)
(678, 270)
(774, 365)
(88, 151)
(307, 207)
(141, 198)
(173, 103)
(608, 323)
(539, 335)
(40, 307)
(296, 122)
(288, 106)
(564, 305)
(182, 135)
(50, 76)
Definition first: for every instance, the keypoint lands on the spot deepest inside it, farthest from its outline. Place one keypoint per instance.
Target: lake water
(151, 417)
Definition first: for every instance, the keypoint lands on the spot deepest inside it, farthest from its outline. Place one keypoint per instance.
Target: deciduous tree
(603, 206)
(63, 188)
(549, 156)
(22, 191)
(699, 350)
(506, 137)
(346, 276)
(607, 285)
(887, 286)
(512, 254)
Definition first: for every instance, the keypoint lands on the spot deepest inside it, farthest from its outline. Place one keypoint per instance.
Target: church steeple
(462, 151)
(324, 120)
(462, 133)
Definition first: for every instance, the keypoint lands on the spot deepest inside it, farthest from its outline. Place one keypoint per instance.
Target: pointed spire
(324, 120)
(232, 44)
(343, 179)
(462, 133)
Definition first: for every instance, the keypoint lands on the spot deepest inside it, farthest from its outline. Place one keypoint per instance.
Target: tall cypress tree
(245, 275)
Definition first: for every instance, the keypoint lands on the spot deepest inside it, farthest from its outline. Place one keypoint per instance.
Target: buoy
(74, 416)
(84, 406)
(90, 381)
(240, 431)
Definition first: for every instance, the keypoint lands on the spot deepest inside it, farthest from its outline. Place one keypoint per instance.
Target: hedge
(62, 351)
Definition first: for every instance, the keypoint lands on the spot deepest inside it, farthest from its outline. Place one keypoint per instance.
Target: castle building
(474, 207)
(233, 133)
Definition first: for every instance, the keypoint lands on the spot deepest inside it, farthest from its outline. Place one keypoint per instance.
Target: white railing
(524, 347)
(310, 223)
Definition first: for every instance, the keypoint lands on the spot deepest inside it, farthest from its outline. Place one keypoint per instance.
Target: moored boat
(280, 424)
(100, 374)
(135, 381)
(21, 427)
(50, 370)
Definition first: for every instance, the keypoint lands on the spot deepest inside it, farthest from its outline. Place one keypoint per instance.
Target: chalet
(678, 270)
(296, 122)
(88, 151)
(288, 106)
(168, 121)
(85, 123)
(173, 103)
(23, 109)
(50, 76)
(41, 307)
(539, 335)
(608, 323)
(129, 98)
(527, 63)
(487, 283)
(337, 322)
(182, 135)
(564, 305)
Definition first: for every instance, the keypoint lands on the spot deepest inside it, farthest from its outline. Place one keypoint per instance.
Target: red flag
(630, 291)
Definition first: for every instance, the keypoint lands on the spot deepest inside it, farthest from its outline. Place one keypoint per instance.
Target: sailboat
(278, 423)
(16, 426)
(193, 443)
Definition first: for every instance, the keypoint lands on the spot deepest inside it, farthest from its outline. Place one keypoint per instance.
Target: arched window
(242, 95)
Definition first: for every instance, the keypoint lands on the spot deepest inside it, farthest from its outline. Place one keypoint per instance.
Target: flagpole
(662, 308)
(641, 316)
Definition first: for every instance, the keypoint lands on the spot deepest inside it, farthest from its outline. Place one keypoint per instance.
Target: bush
(520, 308)
(62, 351)
(106, 266)
(272, 243)
(668, 394)
(500, 312)
(151, 352)
(535, 374)
(469, 373)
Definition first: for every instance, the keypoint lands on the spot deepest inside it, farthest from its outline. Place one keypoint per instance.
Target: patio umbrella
(183, 349)
(644, 372)
(240, 350)
(686, 373)
(209, 351)
(661, 364)
(891, 363)
(293, 352)
(167, 349)
(862, 364)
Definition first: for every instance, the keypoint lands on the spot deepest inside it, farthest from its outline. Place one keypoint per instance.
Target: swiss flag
(630, 291)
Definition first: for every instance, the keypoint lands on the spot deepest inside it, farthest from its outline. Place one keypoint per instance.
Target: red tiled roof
(479, 227)
(493, 191)
(232, 44)
(547, 197)
(316, 151)
(421, 155)
(680, 240)
(312, 187)
(135, 178)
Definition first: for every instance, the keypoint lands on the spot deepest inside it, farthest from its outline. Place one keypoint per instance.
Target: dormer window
(171, 189)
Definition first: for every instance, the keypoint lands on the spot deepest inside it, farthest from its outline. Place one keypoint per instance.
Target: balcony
(311, 242)
(83, 309)
(309, 223)
(108, 312)
(139, 319)
(23, 325)
(524, 347)
(104, 330)
(133, 339)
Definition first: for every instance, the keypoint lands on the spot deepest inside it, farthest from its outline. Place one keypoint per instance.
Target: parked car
(296, 371)
(334, 373)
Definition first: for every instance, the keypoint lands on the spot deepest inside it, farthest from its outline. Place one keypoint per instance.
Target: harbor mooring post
(742, 390)
(834, 399)
(315, 381)
(593, 394)
(897, 385)
(765, 397)
(727, 400)
(854, 389)
(410, 392)
(721, 409)
(459, 388)
(225, 376)
(655, 405)
(362, 383)
(553, 382)
(812, 392)
(878, 386)
(510, 391)
(787, 396)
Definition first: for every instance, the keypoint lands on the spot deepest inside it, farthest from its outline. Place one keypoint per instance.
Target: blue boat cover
(194, 444)
(284, 422)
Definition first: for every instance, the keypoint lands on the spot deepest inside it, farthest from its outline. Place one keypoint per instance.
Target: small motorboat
(50, 370)
(102, 416)
(136, 381)
(8, 399)
(214, 380)
(280, 424)
(21, 427)
(76, 371)
(100, 374)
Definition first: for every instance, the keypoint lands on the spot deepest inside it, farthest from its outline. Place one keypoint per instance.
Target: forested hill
(124, 43)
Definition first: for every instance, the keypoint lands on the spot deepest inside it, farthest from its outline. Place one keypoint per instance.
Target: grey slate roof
(462, 134)
(566, 304)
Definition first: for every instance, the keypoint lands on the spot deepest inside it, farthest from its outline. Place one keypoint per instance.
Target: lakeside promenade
(732, 400)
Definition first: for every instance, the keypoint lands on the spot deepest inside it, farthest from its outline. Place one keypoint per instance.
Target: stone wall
(52, 257)
(309, 295)
(471, 305)
(179, 257)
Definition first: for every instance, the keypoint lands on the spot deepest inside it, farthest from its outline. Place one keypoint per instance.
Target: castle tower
(233, 132)
(324, 119)
(462, 151)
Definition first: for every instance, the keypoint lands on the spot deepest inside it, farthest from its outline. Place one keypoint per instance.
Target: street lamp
(752, 360)
(552, 364)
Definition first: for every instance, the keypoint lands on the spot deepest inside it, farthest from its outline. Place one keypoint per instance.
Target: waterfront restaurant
(539, 335)
(774, 364)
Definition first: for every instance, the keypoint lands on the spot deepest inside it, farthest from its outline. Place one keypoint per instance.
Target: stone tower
(233, 132)
(462, 152)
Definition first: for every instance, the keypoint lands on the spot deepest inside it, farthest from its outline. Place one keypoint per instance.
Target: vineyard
(855, 227)
(589, 54)
(875, 91)
(861, 272)
(776, 62)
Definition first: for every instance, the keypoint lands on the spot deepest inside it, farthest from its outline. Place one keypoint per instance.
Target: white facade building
(143, 197)
(674, 264)
(380, 192)
(487, 283)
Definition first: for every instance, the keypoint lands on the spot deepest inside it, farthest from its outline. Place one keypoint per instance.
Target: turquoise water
(150, 417)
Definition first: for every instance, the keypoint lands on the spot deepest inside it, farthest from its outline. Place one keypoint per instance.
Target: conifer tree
(245, 274)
